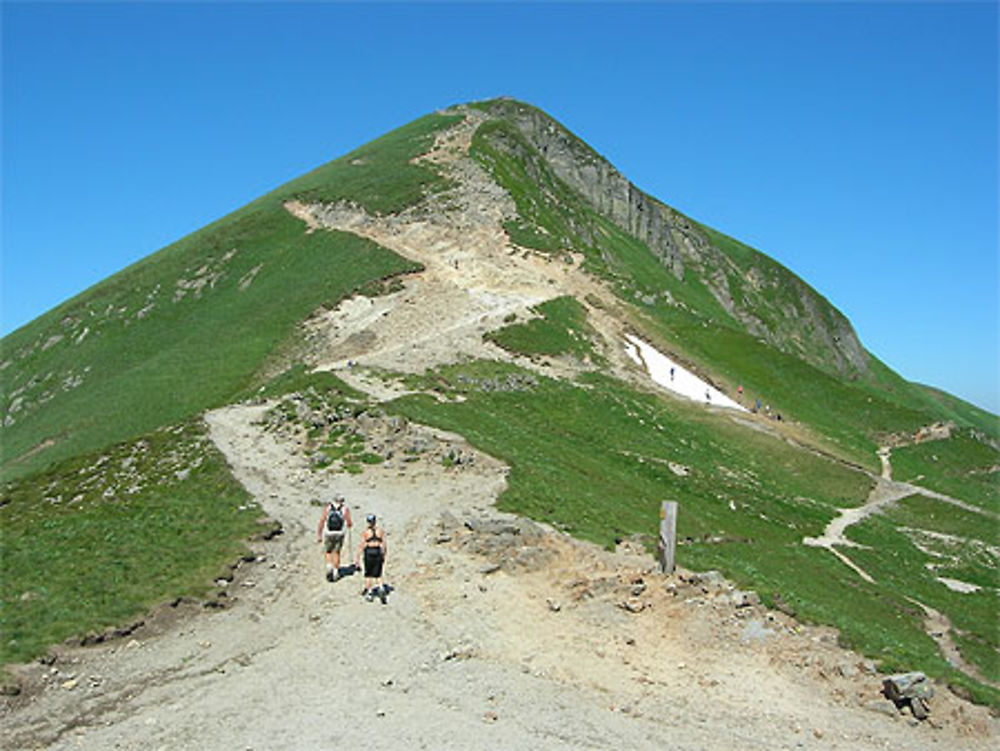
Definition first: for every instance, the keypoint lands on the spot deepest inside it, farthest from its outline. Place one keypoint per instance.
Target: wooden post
(668, 536)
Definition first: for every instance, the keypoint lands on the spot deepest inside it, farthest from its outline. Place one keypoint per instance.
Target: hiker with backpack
(333, 526)
(373, 548)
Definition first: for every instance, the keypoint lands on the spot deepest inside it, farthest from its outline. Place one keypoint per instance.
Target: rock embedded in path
(741, 599)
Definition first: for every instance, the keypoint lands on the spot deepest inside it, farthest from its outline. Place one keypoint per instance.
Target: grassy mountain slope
(188, 327)
(213, 317)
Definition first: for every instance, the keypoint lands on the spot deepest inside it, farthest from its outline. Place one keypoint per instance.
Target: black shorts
(373, 562)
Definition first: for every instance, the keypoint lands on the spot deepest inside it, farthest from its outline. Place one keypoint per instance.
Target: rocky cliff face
(767, 299)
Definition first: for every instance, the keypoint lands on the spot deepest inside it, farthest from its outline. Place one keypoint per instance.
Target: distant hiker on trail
(708, 396)
(739, 391)
(671, 372)
(333, 525)
(373, 548)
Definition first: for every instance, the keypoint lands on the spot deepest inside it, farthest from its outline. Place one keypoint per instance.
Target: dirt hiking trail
(498, 634)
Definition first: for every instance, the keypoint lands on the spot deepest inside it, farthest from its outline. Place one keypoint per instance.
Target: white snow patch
(958, 585)
(674, 377)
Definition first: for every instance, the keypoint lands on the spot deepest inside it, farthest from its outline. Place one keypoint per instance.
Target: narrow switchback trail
(886, 492)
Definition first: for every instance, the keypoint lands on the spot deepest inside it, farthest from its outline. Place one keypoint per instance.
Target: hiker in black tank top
(373, 551)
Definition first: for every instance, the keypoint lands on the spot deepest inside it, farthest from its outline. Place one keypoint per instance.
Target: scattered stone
(490, 716)
(710, 580)
(679, 469)
(459, 653)
(71, 684)
(633, 606)
(489, 568)
(554, 606)
(9, 689)
(911, 690)
(741, 599)
(847, 669)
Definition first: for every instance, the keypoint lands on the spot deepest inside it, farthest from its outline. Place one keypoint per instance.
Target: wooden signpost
(668, 536)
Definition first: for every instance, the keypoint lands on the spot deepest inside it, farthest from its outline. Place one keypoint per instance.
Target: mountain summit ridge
(686, 247)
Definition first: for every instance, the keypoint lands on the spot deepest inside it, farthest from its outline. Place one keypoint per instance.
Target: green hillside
(101, 399)
(189, 327)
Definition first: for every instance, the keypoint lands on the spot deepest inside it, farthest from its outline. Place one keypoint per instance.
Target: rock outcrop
(769, 301)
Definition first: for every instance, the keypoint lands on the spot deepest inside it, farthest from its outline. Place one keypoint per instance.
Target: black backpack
(335, 519)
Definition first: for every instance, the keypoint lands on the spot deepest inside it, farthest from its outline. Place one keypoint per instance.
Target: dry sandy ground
(461, 656)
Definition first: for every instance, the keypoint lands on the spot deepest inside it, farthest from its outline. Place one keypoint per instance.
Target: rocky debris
(344, 434)
(508, 544)
(882, 706)
(911, 690)
(937, 431)
(679, 469)
(271, 529)
(114, 633)
(509, 382)
(741, 599)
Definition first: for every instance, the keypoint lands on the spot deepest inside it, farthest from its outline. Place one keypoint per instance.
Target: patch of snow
(672, 376)
(957, 585)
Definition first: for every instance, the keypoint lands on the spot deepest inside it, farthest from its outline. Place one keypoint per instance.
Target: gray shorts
(333, 541)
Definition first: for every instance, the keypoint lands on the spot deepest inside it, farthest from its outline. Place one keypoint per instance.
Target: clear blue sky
(856, 143)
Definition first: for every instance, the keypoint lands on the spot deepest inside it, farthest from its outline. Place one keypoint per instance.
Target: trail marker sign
(667, 544)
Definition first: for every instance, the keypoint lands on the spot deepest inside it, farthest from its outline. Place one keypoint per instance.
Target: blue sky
(855, 142)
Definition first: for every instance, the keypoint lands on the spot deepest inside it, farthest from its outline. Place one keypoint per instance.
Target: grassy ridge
(96, 540)
(379, 176)
(561, 329)
(188, 327)
(185, 355)
(960, 466)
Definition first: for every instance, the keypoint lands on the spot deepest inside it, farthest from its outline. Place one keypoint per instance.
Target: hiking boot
(381, 594)
(330, 575)
(333, 576)
(371, 595)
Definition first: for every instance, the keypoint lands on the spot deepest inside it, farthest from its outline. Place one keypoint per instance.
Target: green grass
(189, 355)
(379, 176)
(890, 556)
(593, 459)
(98, 539)
(561, 329)
(849, 417)
(960, 466)
(149, 346)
